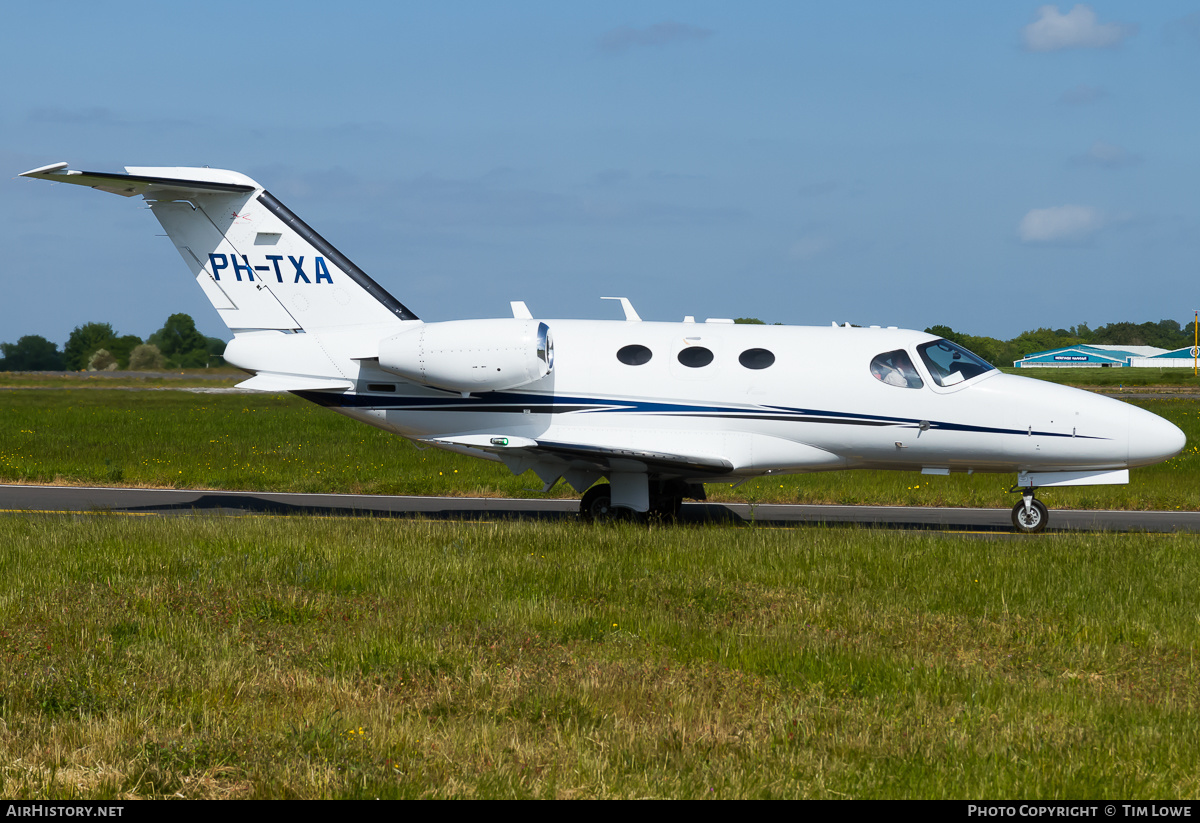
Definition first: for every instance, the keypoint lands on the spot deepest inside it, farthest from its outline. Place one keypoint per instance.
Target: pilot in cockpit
(896, 369)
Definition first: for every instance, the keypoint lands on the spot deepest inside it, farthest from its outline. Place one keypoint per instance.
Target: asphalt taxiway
(16, 499)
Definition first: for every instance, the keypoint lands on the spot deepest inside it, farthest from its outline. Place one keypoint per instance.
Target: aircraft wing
(594, 456)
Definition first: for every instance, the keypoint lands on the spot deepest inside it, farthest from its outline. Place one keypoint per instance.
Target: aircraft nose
(1152, 439)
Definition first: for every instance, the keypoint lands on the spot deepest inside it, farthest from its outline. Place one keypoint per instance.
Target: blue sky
(994, 167)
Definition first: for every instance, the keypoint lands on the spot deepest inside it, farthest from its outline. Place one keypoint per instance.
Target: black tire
(1032, 522)
(596, 505)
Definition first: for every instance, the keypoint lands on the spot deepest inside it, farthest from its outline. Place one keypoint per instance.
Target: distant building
(1184, 358)
(1090, 357)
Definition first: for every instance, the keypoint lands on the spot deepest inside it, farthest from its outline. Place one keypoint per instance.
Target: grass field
(1114, 379)
(223, 377)
(279, 443)
(265, 657)
(1099, 379)
(290, 657)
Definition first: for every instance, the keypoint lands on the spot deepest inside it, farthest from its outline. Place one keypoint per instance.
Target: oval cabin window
(634, 355)
(695, 357)
(756, 358)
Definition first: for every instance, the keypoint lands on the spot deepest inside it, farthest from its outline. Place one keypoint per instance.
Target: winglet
(44, 170)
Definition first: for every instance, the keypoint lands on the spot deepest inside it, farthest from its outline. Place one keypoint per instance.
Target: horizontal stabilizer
(163, 181)
(266, 381)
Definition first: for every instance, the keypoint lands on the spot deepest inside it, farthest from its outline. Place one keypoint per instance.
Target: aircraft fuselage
(817, 406)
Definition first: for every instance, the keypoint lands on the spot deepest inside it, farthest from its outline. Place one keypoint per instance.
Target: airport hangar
(1099, 357)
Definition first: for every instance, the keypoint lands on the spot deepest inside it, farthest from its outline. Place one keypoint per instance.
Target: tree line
(178, 345)
(1165, 334)
(97, 347)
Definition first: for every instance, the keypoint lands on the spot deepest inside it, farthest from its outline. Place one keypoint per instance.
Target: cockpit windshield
(950, 364)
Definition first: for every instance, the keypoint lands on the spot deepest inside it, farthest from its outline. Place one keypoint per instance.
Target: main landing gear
(1030, 515)
(665, 503)
(596, 505)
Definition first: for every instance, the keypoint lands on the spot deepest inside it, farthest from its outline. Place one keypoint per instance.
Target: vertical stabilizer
(260, 265)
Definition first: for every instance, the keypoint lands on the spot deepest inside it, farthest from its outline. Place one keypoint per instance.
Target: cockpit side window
(950, 364)
(896, 369)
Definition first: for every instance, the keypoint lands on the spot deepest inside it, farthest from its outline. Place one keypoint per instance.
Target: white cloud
(1077, 29)
(1060, 225)
(624, 38)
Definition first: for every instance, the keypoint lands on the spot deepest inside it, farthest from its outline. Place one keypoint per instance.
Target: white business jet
(658, 409)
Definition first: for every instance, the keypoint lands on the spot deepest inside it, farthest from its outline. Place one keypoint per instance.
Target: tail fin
(260, 265)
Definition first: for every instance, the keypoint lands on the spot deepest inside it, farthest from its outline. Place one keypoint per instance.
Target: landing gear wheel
(1030, 522)
(596, 505)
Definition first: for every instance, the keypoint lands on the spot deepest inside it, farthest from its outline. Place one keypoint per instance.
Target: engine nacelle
(471, 355)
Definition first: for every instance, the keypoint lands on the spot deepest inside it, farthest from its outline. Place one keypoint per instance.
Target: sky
(992, 167)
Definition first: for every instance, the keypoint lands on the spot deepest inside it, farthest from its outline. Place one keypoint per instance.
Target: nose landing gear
(1030, 515)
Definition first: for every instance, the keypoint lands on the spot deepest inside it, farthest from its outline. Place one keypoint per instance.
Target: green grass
(206, 378)
(1114, 379)
(294, 657)
(266, 442)
(243, 441)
